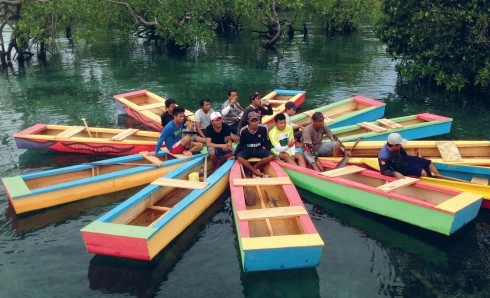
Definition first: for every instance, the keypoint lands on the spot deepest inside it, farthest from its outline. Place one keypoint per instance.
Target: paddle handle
(86, 127)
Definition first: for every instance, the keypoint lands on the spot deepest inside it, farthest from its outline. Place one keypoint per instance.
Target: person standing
(283, 142)
(254, 142)
(395, 162)
(231, 110)
(312, 141)
(201, 117)
(218, 140)
(256, 105)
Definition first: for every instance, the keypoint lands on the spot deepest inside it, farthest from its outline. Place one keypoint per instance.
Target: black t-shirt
(249, 140)
(218, 137)
(166, 118)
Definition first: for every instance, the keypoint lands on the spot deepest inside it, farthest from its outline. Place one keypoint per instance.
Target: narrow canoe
(275, 232)
(345, 112)
(410, 127)
(459, 177)
(145, 107)
(33, 191)
(428, 206)
(91, 140)
(278, 98)
(475, 152)
(141, 226)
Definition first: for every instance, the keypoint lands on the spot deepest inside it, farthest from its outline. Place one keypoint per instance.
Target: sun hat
(396, 139)
(214, 116)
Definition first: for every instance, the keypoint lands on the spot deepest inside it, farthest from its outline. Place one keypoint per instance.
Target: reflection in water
(143, 278)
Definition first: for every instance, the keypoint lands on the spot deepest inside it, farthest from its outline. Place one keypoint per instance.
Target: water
(42, 254)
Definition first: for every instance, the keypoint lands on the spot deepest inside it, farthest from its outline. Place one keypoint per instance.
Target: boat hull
(278, 98)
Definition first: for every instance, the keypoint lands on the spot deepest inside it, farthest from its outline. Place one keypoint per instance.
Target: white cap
(215, 115)
(396, 139)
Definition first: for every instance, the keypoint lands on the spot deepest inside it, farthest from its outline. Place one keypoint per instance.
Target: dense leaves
(443, 41)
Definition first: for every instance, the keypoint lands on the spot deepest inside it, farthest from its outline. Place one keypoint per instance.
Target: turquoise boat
(144, 224)
(430, 207)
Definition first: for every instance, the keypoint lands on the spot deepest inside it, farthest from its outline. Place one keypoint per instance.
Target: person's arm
(385, 168)
(267, 110)
(199, 130)
(329, 133)
(161, 139)
(225, 110)
(274, 139)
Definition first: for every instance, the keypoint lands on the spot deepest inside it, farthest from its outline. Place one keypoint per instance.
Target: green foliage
(443, 41)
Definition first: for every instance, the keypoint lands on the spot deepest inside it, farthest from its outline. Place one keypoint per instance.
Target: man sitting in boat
(168, 115)
(218, 140)
(254, 143)
(172, 136)
(202, 116)
(283, 142)
(231, 112)
(256, 105)
(311, 141)
(395, 162)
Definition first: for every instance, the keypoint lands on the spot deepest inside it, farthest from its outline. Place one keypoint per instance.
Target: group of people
(218, 130)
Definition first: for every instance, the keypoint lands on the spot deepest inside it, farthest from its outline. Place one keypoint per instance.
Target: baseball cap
(254, 95)
(290, 105)
(214, 115)
(253, 115)
(317, 116)
(396, 139)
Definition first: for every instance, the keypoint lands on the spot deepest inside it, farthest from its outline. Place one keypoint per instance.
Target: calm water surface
(42, 254)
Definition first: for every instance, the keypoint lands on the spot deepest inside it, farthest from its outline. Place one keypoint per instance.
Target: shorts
(326, 149)
(413, 166)
(220, 152)
(177, 148)
(253, 152)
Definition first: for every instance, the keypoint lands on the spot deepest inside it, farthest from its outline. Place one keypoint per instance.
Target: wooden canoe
(345, 112)
(408, 200)
(278, 98)
(459, 177)
(34, 191)
(475, 152)
(145, 107)
(87, 140)
(410, 127)
(141, 226)
(276, 232)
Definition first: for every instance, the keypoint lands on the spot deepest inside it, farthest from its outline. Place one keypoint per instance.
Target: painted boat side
(104, 237)
(296, 96)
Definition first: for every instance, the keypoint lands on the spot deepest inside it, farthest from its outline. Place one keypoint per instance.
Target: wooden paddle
(248, 193)
(86, 126)
(346, 157)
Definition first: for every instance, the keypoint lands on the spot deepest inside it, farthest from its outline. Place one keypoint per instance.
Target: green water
(43, 255)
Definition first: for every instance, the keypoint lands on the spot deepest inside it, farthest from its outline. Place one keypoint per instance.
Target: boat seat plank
(271, 212)
(70, 132)
(397, 184)
(153, 159)
(449, 151)
(161, 208)
(16, 186)
(308, 113)
(262, 181)
(124, 134)
(479, 180)
(389, 123)
(180, 183)
(342, 171)
(371, 127)
(151, 106)
(278, 101)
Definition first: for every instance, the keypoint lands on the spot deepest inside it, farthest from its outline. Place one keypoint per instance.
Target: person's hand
(187, 153)
(233, 101)
(319, 164)
(291, 143)
(264, 101)
(348, 153)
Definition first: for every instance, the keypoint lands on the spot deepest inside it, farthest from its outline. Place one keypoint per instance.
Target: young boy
(283, 142)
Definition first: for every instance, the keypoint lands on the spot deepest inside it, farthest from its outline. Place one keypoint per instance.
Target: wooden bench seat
(160, 208)
(262, 181)
(271, 212)
(449, 151)
(371, 127)
(124, 134)
(180, 183)
(342, 171)
(389, 123)
(151, 106)
(70, 132)
(397, 184)
(153, 159)
(479, 180)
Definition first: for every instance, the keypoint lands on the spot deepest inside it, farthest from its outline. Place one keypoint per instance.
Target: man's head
(170, 105)
(290, 108)
(255, 99)
(318, 120)
(216, 119)
(395, 141)
(179, 114)
(205, 104)
(280, 120)
(253, 119)
(232, 93)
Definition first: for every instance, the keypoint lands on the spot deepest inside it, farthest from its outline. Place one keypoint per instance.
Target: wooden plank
(161, 208)
(262, 181)
(397, 184)
(271, 212)
(308, 113)
(151, 106)
(153, 159)
(278, 101)
(449, 151)
(124, 134)
(389, 123)
(180, 183)
(70, 132)
(342, 171)
(479, 180)
(371, 127)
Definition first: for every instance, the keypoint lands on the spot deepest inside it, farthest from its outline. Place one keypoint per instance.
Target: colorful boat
(345, 112)
(274, 229)
(278, 98)
(408, 200)
(410, 127)
(440, 151)
(145, 107)
(33, 191)
(460, 177)
(141, 226)
(87, 140)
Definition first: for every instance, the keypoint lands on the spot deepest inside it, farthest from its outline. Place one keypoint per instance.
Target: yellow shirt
(280, 139)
